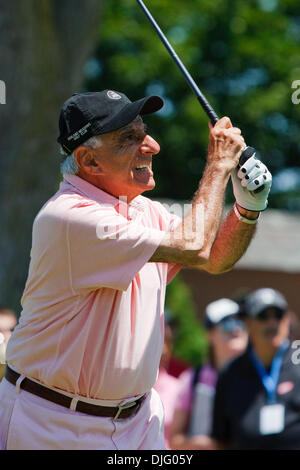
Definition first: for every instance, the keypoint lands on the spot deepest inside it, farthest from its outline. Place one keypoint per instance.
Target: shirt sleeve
(107, 250)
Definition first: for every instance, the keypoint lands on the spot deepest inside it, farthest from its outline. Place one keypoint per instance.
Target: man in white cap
(257, 396)
(227, 338)
(83, 360)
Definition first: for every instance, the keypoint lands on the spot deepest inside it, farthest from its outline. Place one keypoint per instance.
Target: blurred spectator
(8, 321)
(257, 401)
(227, 337)
(166, 384)
(177, 366)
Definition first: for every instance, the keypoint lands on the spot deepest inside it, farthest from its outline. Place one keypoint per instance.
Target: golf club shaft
(201, 98)
(249, 151)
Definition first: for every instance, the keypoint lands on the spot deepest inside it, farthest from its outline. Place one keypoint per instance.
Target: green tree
(44, 45)
(190, 340)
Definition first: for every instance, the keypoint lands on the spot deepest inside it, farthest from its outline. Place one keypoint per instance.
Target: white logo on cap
(113, 95)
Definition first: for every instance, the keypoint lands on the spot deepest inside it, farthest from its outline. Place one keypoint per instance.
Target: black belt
(118, 412)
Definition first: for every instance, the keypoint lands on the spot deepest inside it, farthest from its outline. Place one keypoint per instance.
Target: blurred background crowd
(243, 394)
(244, 55)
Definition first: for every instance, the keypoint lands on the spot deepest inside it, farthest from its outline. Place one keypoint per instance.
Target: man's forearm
(190, 243)
(231, 242)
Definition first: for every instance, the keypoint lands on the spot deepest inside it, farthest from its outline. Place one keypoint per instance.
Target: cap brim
(148, 105)
(259, 310)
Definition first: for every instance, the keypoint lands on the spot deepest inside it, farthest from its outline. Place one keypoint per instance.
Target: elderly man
(85, 355)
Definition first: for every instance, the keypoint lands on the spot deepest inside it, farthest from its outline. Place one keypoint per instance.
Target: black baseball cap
(85, 115)
(261, 299)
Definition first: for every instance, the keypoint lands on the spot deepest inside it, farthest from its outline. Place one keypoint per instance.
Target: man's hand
(252, 175)
(191, 242)
(225, 145)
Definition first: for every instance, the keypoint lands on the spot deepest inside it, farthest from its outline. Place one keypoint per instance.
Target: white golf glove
(250, 176)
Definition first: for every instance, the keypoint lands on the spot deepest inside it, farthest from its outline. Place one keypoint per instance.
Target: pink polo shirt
(92, 320)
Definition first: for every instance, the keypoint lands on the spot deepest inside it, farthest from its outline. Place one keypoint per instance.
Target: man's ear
(86, 160)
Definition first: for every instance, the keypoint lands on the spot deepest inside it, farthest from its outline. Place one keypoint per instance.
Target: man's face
(229, 337)
(270, 328)
(125, 160)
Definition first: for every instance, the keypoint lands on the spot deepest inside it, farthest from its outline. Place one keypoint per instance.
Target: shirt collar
(97, 194)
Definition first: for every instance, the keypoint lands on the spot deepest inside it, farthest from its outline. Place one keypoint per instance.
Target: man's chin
(147, 186)
(270, 333)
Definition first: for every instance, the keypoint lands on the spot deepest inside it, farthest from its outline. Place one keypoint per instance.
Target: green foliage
(190, 341)
(243, 54)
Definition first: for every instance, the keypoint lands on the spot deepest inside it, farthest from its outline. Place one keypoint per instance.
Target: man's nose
(149, 145)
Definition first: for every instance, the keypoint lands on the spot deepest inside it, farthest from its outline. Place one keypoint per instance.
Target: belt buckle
(121, 408)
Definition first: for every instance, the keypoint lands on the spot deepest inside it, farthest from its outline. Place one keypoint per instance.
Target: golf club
(249, 151)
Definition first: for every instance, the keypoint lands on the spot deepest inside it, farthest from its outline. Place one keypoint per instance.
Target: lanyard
(270, 381)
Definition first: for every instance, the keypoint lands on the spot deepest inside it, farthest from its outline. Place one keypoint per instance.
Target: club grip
(247, 153)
